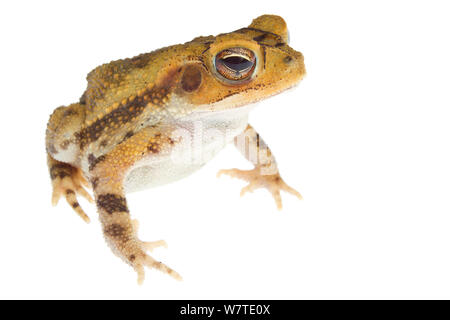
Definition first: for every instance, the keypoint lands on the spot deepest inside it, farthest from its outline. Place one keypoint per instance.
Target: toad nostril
(287, 59)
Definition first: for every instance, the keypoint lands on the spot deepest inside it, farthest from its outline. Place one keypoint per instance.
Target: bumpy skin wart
(121, 134)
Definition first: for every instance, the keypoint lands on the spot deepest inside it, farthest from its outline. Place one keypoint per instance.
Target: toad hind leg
(119, 230)
(68, 181)
(265, 174)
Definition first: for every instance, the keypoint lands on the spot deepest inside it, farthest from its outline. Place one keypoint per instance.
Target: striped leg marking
(120, 233)
(108, 175)
(68, 181)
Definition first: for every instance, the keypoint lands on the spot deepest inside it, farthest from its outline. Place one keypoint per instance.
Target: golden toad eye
(235, 64)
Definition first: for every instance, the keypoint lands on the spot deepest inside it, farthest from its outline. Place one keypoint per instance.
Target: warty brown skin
(132, 107)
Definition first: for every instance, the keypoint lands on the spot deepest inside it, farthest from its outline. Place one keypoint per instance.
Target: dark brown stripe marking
(122, 115)
(115, 230)
(83, 98)
(69, 112)
(259, 30)
(61, 170)
(260, 37)
(276, 41)
(208, 46)
(104, 143)
(264, 56)
(128, 135)
(202, 62)
(93, 161)
(287, 59)
(153, 148)
(51, 149)
(112, 203)
(94, 183)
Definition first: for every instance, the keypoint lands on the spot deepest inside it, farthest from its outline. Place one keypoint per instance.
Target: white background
(364, 138)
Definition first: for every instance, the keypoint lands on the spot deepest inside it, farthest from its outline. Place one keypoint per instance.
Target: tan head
(238, 68)
(206, 74)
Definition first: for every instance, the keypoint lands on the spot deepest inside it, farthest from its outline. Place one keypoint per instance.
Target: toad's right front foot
(68, 181)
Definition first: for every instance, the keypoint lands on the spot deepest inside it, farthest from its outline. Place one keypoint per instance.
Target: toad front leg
(62, 151)
(107, 177)
(68, 181)
(265, 174)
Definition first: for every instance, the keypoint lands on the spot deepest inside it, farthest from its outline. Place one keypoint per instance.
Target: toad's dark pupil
(237, 63)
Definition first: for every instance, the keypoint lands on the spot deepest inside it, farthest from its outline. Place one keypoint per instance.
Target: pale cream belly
(201, 139)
